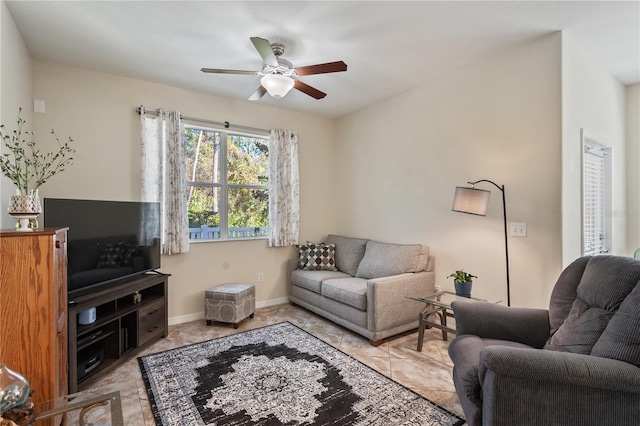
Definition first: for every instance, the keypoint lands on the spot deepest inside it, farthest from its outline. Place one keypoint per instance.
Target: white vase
(25, 208)
(29, 204)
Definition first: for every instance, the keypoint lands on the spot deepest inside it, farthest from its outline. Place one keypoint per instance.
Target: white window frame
(224, 185)
(597, 195)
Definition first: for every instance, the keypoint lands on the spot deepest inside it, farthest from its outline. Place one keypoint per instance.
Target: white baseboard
(181, 319)
(186, 318)
(272, 302)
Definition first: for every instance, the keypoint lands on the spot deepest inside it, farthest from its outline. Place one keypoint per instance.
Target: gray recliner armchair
(577, 363)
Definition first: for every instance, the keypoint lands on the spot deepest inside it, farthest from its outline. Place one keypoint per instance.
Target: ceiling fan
(278, 75)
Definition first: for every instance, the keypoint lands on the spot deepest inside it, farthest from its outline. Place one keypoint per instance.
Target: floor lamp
(475, 201)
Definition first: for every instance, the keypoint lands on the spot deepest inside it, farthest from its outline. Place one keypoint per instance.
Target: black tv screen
(107, 240)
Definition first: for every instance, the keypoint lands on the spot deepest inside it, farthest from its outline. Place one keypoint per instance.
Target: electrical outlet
(260, 277)
(518, 229)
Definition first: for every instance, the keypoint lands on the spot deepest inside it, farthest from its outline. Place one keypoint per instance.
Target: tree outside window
(227, 184)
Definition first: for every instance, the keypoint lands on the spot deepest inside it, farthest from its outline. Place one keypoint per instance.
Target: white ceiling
(389, 46)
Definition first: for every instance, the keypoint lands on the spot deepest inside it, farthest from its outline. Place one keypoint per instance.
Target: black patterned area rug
(277, 375)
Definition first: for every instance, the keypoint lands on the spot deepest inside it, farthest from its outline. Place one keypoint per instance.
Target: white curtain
(163, 176)
(284, 193)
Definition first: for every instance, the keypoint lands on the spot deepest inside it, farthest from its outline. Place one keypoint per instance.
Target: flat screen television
(107, 240)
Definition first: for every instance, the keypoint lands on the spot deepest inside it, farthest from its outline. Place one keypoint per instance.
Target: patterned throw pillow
(303, 257)
(320, 257)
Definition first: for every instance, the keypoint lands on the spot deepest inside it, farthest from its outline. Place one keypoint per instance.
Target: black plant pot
(463, 289)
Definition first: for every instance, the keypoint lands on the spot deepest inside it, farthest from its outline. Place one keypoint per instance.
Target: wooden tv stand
(123, 327)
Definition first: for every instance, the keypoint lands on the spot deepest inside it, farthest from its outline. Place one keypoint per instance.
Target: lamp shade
(277, 85)
(471, 200)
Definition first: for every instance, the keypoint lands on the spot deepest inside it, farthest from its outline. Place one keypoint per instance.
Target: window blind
(594, 201)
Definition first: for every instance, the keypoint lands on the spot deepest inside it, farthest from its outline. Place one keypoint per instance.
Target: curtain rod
(225, 124)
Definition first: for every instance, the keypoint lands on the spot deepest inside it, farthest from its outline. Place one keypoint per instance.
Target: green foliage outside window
(247, 166)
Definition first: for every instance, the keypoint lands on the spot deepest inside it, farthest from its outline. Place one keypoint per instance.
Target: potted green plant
(29, 168)
(462, 282)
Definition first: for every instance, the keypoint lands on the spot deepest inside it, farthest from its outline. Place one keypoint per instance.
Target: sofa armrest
(490, 320)
(533, 386)
(387, 303)
(292, 265)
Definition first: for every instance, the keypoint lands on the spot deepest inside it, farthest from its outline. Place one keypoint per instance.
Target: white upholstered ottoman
(230, 303)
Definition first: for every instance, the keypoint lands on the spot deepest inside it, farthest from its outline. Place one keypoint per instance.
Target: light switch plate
(518, 229)
(38, 106)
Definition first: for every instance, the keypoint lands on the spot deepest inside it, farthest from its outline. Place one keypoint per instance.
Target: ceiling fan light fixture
(277, 85)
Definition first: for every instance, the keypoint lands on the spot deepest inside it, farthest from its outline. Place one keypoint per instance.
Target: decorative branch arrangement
(25, 165)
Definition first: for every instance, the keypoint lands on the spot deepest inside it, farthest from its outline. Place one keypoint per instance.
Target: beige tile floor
(427, 373)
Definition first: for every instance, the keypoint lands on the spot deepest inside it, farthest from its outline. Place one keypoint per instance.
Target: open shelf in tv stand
(122, 327)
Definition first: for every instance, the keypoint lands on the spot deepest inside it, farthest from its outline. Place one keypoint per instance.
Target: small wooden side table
(439, 304)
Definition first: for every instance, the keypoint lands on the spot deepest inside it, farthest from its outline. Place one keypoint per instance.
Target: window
(227, 184)
(596, 196)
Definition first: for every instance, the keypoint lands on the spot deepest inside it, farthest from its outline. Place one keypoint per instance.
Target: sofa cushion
(349, 252)
(384, 259)
(312, 280)
(621, 339)
(350, 291)
(316, 257)
(605, 283)
(423, 259)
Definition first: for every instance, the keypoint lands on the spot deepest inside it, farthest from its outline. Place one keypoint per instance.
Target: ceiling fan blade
(258, 94)
(221, 71)
(322, 68)
(264, 49)
(306, 89)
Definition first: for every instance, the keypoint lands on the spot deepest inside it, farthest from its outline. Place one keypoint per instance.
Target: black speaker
(88, 360)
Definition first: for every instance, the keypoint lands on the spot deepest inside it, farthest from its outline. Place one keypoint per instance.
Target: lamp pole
(506, 240)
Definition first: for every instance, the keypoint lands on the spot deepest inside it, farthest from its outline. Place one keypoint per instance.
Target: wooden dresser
(33, 308)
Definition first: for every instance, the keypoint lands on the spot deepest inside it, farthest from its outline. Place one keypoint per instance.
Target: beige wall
(387, 172)
(15, 92)
(633, 171)
(594, 101)
(98, 111)
(399, 161)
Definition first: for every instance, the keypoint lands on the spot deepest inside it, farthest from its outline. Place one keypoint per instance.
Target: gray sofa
(365, 288)
(577, 363)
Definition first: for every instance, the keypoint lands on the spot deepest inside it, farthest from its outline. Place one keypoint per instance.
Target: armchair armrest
(533, 386)
(490, 320)
(560, 367)
(387, 304)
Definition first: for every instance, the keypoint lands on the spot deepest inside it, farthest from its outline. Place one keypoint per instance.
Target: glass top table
(439, 304)
(82, 408)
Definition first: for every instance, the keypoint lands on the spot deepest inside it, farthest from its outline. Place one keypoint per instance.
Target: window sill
(219, 240)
